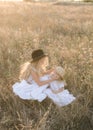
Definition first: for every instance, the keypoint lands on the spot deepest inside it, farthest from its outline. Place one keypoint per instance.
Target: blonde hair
(25, 71)
(60, 71)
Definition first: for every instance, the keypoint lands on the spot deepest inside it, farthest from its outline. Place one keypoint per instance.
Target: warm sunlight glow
(11, 0)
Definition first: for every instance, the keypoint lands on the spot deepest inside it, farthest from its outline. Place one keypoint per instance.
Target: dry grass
(66, 33)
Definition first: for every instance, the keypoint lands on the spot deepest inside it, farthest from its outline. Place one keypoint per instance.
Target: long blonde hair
(26, 68)
(25, 71)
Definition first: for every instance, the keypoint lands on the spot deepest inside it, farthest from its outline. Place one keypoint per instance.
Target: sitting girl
(34, 78)
(56, 92)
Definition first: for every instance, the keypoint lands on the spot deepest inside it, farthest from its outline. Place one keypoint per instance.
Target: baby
(56, 92)
(59, 72)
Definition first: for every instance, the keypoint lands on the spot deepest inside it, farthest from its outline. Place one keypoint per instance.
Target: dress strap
(33, 69)
(37, 71)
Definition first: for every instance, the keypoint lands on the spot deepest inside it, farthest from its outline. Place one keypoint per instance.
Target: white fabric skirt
(61, 99)
(29, 91)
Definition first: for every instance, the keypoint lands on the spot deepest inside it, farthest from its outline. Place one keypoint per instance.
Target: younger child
(56, 92)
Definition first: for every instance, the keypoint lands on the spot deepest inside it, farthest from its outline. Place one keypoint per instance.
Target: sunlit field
(65, 32)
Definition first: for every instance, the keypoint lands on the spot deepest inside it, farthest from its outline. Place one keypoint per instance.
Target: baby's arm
(57, 91)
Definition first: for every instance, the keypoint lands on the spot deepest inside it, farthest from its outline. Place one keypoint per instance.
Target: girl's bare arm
(48, 71)
(36, 78)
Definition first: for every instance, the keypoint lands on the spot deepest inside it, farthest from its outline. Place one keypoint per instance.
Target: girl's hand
(48, 71)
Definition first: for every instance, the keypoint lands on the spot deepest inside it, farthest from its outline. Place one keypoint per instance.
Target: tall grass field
(65, 32)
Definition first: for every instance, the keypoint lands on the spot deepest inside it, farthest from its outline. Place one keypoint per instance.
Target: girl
(34, 77)
(56, 92)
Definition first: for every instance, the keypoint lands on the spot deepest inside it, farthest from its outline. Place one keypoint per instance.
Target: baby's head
(60, 71)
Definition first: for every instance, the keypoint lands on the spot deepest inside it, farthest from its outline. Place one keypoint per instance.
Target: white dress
(30, 91)
(62, 98)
